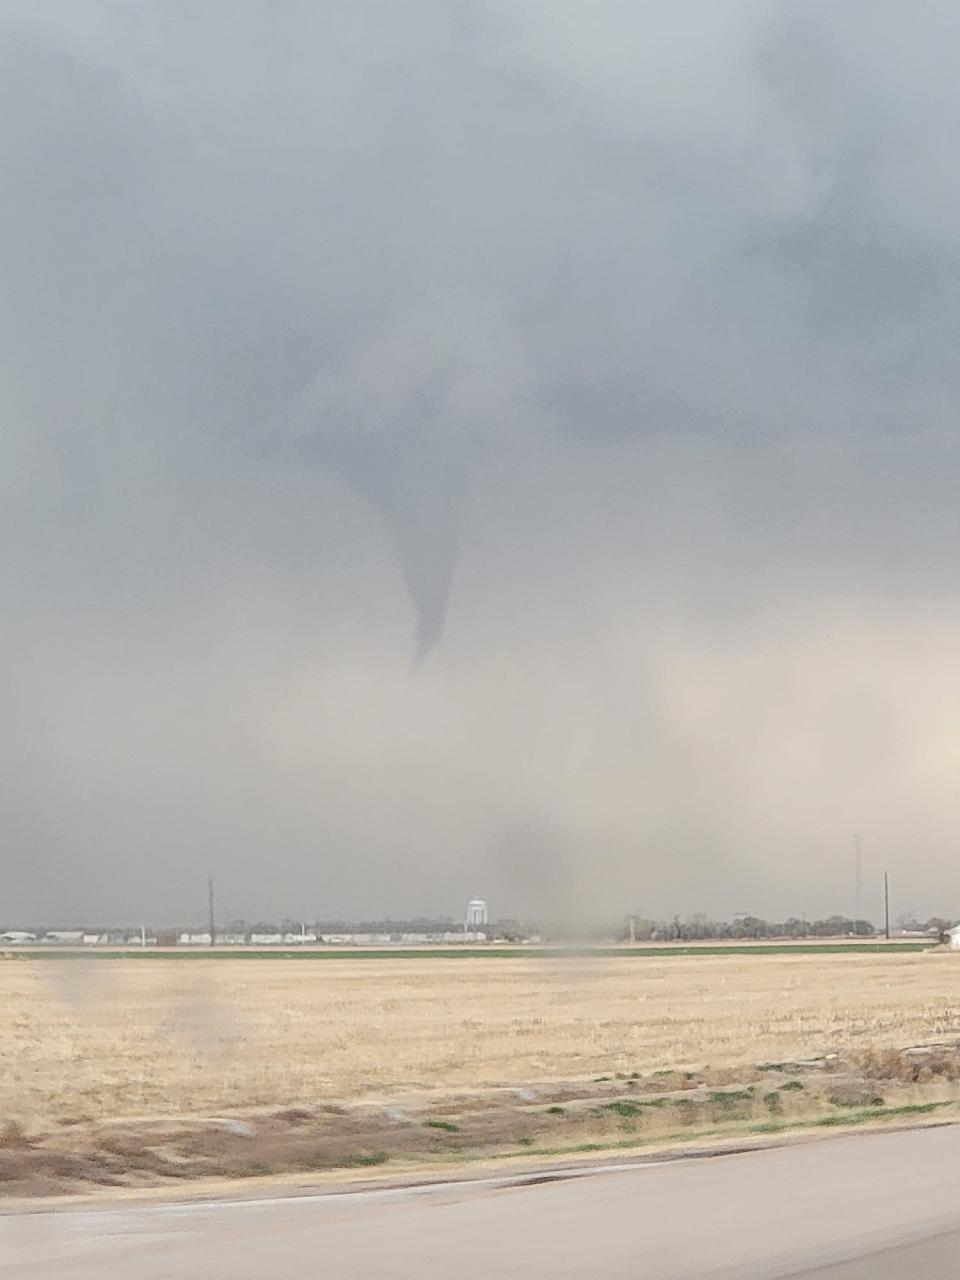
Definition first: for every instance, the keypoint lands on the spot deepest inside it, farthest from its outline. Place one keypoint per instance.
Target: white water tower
(476, 915)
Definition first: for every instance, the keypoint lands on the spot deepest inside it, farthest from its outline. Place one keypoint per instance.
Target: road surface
(877, 1205)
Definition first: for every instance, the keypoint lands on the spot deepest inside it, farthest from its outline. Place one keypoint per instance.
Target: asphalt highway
(877, 1205)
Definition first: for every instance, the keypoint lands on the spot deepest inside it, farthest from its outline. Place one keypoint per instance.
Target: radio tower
(857, 880)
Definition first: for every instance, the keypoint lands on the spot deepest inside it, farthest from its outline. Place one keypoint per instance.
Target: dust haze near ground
(457, 448)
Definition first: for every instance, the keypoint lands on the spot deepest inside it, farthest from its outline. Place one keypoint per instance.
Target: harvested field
(168, 1069)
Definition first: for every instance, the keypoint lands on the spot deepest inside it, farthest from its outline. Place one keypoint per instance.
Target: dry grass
(146, 1073)
(85, 1041)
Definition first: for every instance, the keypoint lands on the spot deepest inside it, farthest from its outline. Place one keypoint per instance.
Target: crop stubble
(81, 1042)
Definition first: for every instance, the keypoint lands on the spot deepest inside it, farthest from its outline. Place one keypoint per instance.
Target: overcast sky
(478, 446)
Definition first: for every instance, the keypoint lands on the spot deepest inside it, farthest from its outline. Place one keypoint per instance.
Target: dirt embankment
(563, 1117)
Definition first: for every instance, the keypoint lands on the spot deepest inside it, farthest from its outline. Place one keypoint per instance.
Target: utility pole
(633, 928)
(213, 927)
(886, 904)
(857, 879)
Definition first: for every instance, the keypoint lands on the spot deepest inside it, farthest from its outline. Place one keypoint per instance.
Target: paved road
(883, 1206)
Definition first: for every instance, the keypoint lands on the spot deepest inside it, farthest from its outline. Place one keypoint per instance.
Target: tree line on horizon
(701, 928)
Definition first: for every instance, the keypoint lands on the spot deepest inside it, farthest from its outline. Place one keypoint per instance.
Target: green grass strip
(852, 1118)
(466, 953)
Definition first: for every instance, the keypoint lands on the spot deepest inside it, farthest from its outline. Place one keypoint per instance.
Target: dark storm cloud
(600, 357)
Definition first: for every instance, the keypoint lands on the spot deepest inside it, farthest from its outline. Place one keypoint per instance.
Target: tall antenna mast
(886, 904)
(213, 927)
(857, 874)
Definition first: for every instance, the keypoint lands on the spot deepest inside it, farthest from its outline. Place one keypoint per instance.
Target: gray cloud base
(477, 447)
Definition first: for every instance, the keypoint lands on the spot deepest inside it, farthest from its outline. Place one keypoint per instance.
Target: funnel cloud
(472, 447)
